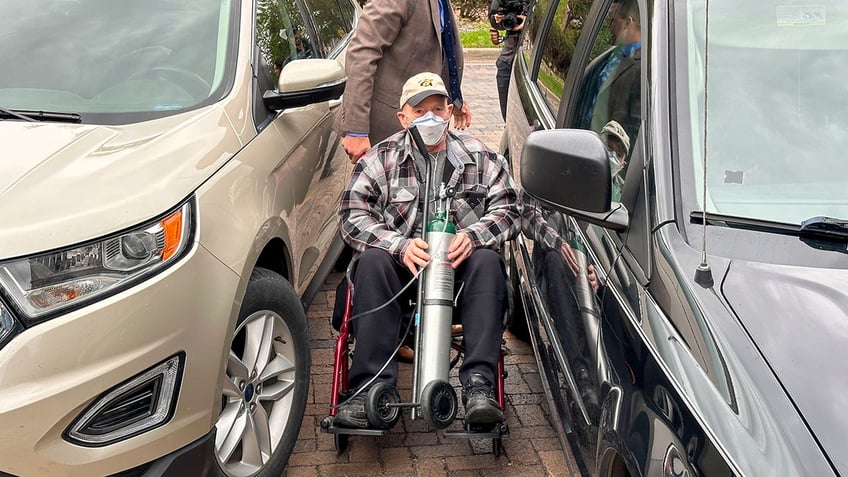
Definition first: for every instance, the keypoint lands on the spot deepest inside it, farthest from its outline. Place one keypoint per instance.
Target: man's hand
(520, 26)
(570, 259)
(593, 279)
(415, 255)
(356, 147)
(462, 117)
(460, 249)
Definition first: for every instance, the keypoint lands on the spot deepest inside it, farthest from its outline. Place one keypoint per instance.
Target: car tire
(265, 385)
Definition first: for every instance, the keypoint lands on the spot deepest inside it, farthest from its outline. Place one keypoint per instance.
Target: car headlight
(43, 284)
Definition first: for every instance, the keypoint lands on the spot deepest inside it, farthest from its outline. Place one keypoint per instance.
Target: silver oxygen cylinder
(587, 305)
(437, 302)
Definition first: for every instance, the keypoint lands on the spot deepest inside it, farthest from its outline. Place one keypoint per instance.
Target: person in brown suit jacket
(395, 39)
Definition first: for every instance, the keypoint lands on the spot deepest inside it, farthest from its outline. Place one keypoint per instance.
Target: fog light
(135, 406)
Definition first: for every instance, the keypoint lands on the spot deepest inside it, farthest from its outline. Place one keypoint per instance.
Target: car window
(116, 62)
(534, 29)
(558, 47)
(609, 94)
(332, 23)
(281, 33)
(767, 107)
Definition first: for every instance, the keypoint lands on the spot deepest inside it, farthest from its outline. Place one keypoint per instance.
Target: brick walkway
(411, 449)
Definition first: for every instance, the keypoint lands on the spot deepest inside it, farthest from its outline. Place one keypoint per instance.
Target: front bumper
(52, 372)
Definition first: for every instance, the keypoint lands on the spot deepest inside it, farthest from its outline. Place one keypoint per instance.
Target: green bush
(478, 37)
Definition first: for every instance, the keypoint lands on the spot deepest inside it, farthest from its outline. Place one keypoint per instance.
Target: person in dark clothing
(509, 16)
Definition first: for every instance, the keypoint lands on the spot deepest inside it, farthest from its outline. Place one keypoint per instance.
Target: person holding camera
(509, 16)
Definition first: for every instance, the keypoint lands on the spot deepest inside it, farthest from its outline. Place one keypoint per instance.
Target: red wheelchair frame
(340, 389)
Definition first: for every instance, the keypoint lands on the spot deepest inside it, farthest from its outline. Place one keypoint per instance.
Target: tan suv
(168, 207)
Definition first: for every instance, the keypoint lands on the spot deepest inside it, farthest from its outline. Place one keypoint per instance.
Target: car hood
(798, 318)
(62, 184)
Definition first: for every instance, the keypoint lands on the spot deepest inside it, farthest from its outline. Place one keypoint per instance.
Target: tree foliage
(471, 9)
(563, 35)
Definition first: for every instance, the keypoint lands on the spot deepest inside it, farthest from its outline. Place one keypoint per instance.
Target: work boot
(587, 388)
(352, 413)
(481, 408)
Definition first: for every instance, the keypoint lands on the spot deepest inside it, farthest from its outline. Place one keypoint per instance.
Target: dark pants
(504, 65)
(481, 307)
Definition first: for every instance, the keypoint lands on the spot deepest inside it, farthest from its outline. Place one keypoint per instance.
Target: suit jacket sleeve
(379, 25)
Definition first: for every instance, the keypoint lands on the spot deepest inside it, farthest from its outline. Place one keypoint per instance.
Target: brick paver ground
(411, 449)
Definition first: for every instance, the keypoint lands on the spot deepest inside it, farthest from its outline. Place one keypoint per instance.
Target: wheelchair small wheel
(497, 446)
(380, 414)
(340, 441)
(438, 404)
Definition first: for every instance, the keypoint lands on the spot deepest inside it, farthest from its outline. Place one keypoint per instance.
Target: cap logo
(426, 82)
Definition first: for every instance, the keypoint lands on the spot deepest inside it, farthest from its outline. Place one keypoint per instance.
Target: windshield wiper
(825, 227)
(34, 116)
(696, 217)
(820, 227)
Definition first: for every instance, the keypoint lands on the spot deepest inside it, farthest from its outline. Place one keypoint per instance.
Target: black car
(702, 176)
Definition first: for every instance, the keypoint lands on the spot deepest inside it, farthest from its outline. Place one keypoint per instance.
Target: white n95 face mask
(431, 127)
(615, 163)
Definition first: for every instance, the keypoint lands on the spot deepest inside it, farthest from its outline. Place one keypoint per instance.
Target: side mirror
(305, 82)
(569, 170)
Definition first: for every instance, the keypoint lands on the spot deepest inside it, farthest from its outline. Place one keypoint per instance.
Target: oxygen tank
(437, 300)
(586, 302)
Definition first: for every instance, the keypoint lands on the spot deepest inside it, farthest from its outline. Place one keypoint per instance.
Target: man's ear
(402, 118)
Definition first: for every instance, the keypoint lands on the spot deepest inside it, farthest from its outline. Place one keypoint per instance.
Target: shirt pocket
(401, 208)
(470, 205)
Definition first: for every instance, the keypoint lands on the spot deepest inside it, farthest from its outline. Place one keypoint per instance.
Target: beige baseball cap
(613, 128)
(421, 86)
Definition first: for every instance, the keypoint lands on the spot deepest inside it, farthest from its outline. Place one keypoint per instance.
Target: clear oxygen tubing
(373, 310)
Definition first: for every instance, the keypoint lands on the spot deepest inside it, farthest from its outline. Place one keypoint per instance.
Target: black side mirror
(569, 170)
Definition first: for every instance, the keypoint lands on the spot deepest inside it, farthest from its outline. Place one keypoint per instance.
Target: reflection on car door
(283, 34)
(573, 52)
(309, 176)
(320, 160)
(603, 101)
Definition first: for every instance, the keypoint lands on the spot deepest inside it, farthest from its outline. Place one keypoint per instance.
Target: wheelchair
(438, 404)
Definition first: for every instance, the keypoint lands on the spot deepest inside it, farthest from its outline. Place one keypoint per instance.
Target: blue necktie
(611, 64)
(448, 46)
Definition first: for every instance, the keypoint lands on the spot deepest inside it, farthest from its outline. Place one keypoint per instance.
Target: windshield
(770, 79)
(113, 61)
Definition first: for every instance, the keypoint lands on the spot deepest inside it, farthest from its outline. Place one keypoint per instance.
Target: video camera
(510, 9)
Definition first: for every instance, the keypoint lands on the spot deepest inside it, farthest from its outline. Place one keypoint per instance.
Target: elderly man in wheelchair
(381, 216)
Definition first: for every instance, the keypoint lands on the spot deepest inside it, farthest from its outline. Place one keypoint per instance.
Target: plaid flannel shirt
(381, 207)
(535, 224)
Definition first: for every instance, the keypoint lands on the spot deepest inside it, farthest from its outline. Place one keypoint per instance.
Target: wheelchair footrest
(328, 427)
(498, 431)
(353, 431)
